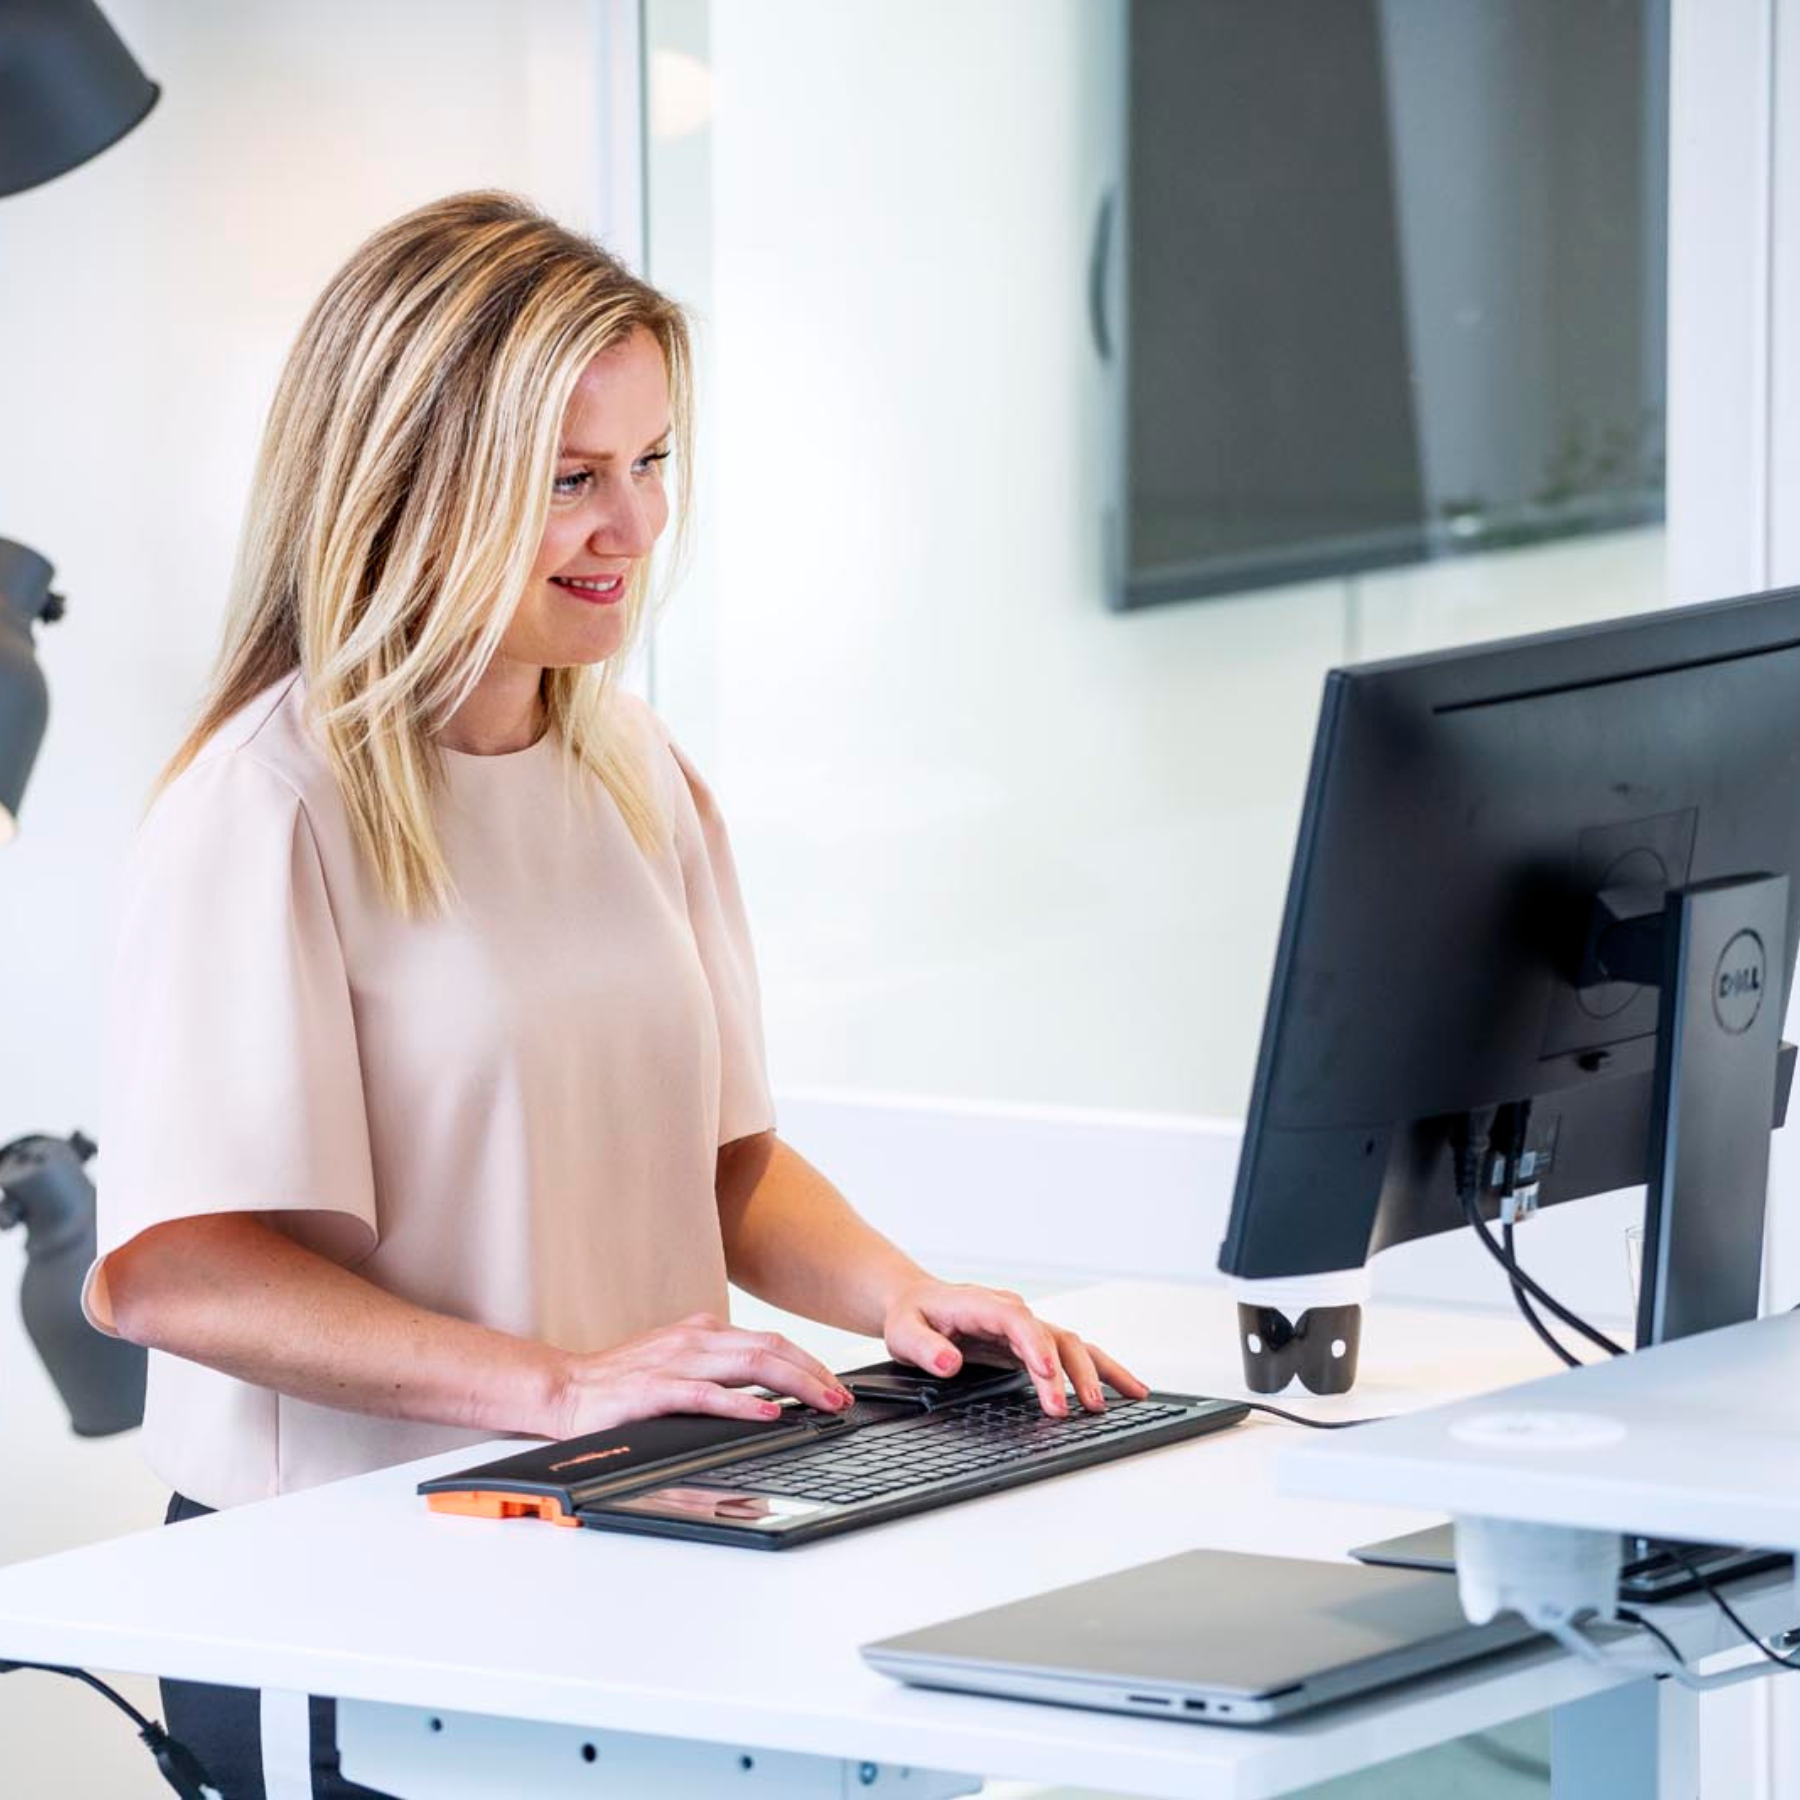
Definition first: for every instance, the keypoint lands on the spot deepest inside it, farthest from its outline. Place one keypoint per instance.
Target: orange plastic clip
(476, 1503)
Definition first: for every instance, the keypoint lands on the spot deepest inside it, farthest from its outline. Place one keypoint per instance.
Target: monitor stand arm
(1715, 952)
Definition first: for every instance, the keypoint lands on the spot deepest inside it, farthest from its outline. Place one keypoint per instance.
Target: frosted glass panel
(999, 842)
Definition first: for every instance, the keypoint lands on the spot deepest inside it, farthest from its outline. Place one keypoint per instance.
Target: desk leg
(286, 1745)
(416, 1754)
(1637, 1742)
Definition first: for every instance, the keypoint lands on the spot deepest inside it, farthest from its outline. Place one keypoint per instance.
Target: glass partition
(1001, 842)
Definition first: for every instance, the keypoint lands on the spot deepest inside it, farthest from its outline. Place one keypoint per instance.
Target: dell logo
(1738, 982)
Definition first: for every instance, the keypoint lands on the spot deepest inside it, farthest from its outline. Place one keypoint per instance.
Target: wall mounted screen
(1393, 283)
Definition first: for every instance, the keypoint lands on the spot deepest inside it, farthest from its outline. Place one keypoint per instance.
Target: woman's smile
(595, 590)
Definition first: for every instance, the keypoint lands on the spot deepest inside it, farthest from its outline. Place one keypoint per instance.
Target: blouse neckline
(460, 759)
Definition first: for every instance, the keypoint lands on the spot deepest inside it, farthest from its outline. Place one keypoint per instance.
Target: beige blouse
(509, 1113)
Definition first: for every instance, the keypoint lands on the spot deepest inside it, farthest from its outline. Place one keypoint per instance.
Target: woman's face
(607, 510)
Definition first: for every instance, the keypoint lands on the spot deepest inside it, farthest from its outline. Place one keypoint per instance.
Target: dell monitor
(1541, 884)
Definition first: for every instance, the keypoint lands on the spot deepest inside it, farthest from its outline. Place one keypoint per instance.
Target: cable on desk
(1293, 1418)
(180, 1767)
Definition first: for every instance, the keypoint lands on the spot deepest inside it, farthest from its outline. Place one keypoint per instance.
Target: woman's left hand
(932, 1323)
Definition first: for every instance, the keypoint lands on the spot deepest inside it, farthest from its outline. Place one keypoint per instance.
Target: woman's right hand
(699, 1364)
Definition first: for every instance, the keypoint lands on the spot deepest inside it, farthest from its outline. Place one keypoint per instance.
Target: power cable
(180, 1767)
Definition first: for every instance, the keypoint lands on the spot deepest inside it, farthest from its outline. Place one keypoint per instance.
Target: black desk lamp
(68, 89)
(25, 600)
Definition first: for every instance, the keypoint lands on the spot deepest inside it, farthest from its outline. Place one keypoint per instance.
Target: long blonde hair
(400, 497)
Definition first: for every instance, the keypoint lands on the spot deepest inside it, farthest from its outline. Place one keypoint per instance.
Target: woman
(439, 1108)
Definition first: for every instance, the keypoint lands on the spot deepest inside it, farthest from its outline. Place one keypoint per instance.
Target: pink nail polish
(946, 1363)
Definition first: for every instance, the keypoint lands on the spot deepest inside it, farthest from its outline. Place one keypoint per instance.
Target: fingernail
(769, 1410)
(842, 1397)
(946, 1363)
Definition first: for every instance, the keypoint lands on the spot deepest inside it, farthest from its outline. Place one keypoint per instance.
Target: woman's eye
(566, 487)
(646, 463)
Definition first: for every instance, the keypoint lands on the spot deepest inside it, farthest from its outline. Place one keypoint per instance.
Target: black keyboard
(957, 1448)
(912, 1441)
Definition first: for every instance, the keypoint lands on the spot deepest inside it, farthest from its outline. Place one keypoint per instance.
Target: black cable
(1472, 1212)
(1469, 1153)
(180, 1767)
(1556, 1347)
(1520, 1129)
(1656, 1631)
(1292, 1418)
(93, 1681)
(1725, 1606)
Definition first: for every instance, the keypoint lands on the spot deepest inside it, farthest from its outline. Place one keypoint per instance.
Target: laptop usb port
(1194, 1705)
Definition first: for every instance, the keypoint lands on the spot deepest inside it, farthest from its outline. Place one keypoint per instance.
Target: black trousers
(223, 1725)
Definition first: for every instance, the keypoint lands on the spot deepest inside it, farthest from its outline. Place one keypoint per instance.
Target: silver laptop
(1208, 1636)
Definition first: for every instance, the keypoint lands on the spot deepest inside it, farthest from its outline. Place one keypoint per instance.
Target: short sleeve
(722, 936)
(233, 1082)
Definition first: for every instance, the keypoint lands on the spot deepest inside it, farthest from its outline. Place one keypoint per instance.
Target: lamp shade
(68, 89)
(24, 697)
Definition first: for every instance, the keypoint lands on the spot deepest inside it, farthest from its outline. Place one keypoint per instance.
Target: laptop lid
(1207, 1635)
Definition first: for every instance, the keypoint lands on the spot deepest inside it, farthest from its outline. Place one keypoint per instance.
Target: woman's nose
(626, 528)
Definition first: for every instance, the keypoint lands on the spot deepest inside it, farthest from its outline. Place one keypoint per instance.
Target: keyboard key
(944, 1450)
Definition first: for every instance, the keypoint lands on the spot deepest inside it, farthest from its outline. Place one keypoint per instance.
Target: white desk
(1697, 1439)
(525, 1642)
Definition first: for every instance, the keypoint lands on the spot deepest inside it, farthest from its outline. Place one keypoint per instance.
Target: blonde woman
(439, 1108)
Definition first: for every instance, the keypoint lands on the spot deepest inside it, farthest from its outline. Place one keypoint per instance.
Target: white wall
(145, 303)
